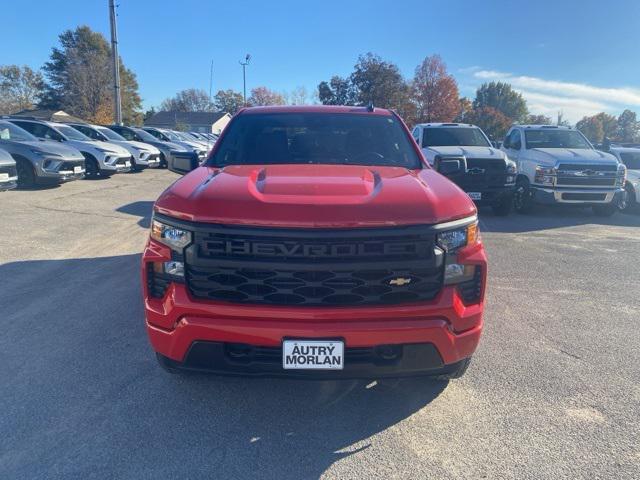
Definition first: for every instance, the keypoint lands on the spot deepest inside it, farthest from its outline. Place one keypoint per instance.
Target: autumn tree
(493, 122)
(501, 97)
(20, 88)
(592, 128)
(262, 96)
(80, 78)
(228, 101)
(189, 100)
(628, 127)
(532, 119)
(465, 106)
(435, 92)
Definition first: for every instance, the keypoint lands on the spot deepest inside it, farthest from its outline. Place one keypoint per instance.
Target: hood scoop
(340, 185)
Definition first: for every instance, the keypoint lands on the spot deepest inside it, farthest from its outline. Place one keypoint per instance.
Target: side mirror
(182, 163)
(450, 167)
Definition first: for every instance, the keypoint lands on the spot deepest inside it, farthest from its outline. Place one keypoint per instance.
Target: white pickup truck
(558, 165)
(630, 203)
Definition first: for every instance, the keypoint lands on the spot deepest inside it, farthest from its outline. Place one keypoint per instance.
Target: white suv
(102, 159)
(559, 165)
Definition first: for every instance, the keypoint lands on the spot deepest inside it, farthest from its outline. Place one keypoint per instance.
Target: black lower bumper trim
(420, 359)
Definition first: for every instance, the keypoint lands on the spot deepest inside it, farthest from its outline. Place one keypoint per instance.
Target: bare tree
(190, 100)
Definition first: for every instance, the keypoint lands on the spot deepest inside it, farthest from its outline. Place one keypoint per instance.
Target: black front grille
(313, 268)
(69, 165)
(483, 173)
(11, 170)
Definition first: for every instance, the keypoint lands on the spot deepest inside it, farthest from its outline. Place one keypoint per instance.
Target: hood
(142, 146)
(578, 155)
(112, 147)
(56, 148)
(328, 196)
(171, 146)
(469, 152)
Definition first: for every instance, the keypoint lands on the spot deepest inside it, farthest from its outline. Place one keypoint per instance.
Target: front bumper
(582, 196)
(8, 184)
(493, 195)
(176, 322)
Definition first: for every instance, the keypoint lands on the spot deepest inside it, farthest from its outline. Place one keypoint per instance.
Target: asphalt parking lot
(553, 392)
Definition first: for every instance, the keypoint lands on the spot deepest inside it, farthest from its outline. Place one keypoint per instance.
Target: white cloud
(575, 100)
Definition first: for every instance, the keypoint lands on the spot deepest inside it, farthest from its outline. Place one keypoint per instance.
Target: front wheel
(629, 204)
(503, 206)
(92, 169)
(605, 210)
(523, 197)
(26, 175)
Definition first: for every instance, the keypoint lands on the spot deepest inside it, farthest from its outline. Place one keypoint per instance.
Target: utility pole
(116, 64)
(244, 77)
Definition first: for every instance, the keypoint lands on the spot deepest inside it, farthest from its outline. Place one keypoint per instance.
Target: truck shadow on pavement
(142, 209)
(83, 396)
(549, 218)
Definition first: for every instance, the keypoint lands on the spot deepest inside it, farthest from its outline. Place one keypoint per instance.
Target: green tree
(80, 79)
(435, 92)
(20, 88)
(189, 100)
(493, 122)
(338, 91)
(148, 114)
(501, 97)
(628, 127)
(228, 101)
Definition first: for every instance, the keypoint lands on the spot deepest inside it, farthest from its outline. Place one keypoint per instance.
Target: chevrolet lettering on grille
(296, 249)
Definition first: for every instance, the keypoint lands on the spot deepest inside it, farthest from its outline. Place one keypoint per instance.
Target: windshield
(631, 160)
(9, 131)
(555, 139)
(171, 135)
(454, 137)
(144, 135)
(315, 138)
(110, 134)
(71, 133)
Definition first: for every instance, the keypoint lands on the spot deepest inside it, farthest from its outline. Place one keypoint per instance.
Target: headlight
(52, 164)
(37, 152)
(512, 169)
(622, 175)
(173, 237)
(545, 176)
(452, 240)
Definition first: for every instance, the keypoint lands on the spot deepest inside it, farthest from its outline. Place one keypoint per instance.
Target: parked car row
(536, 164)
(39, 152)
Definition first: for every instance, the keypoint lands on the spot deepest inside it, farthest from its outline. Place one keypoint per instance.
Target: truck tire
(629, 203)
(457, 373)
(26, 175)
(605, 210)
(503, 206)
(523, 198)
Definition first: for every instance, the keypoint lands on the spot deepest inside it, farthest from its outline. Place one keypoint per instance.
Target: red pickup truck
(314, 242)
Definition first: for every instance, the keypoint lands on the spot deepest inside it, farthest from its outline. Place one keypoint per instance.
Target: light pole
(211, 80)
(116, 64)
(244, 77)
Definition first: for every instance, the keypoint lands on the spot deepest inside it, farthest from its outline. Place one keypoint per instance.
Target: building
(212, 122)
(49, 115)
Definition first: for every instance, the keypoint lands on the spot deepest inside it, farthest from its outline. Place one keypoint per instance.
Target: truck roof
(315, 109)
(437, 124)
(543, 127)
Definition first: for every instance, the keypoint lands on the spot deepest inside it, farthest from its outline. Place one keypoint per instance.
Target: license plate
(77, 170)
(4, 176)
(475, 195)
(312, 355)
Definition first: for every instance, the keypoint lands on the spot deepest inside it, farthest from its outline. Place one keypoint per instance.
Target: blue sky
(576, 56)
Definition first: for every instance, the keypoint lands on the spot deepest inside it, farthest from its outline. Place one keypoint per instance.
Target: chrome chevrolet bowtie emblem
(475, 171)
(400, 281)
